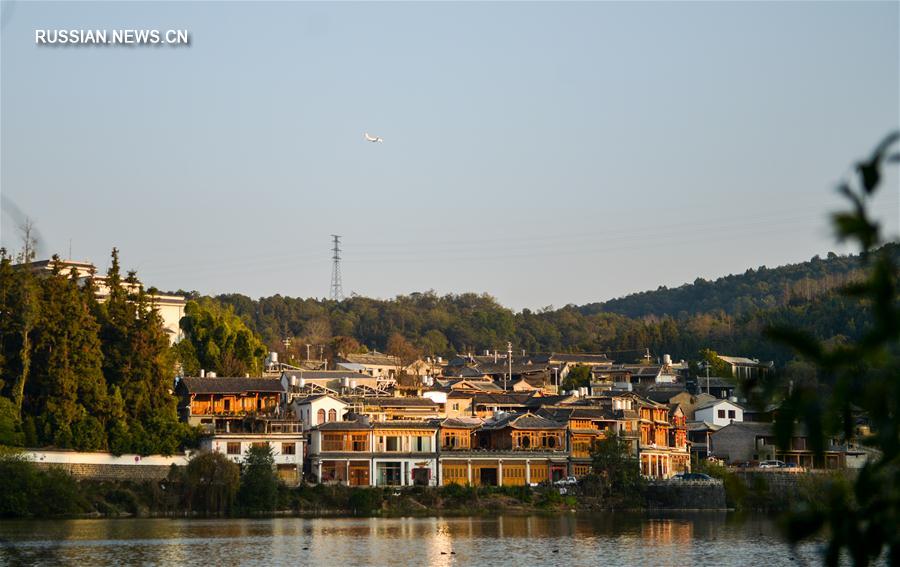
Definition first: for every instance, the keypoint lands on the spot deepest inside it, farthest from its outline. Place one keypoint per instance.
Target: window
(389, 474)
(332, 442)
(360, 442)
(455, 407)
(288, 448)
(332, 415)
(731, 414)
(234, 448)
(722, 413)
(321, 415)
(391, 444)
(227, 405)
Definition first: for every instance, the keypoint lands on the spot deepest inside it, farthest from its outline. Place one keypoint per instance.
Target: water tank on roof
(346, 382)
(293, 381)
(352, 384)
(273, 357)
(667, 359)
(302, 382)
(733, 399)
(210, 374)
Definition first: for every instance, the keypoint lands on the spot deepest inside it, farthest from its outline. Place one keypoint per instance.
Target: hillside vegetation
(760, 288)
(726, 315)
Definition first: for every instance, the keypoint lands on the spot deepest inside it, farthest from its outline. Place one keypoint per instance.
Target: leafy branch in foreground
(857, 394)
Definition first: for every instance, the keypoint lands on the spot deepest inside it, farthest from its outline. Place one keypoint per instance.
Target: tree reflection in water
(625, 539)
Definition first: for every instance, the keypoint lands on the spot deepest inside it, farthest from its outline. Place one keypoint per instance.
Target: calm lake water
(526, 541)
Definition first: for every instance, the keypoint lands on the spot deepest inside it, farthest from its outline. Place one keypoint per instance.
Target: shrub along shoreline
(211, 485)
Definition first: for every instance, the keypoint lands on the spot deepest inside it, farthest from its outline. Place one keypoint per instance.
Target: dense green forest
(82, 374)
(726, 315)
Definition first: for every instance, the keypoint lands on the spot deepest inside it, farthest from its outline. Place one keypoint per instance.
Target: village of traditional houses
(482, 420)
(491, 419)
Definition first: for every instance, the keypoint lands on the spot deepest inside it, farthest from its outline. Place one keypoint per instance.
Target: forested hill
(727, 315)
(741, 294)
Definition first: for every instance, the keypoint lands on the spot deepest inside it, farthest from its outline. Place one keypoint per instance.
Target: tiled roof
(344, 426)
(315, 397)
(560, 414)
(229, 385)
(400, 402)
(663, 395)
(372, 359)
(539, 401)
(462, 422)
(702, 426)
(643, 370)
(525, 420)
(464, 372)
(584, 358)
(403, 424)
(502, 399)
(711, 403)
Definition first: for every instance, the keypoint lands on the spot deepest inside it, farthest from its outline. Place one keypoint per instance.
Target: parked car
(692, 476)
(772, 464)
(568, 481)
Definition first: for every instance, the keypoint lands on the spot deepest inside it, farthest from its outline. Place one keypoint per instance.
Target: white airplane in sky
(372, 138)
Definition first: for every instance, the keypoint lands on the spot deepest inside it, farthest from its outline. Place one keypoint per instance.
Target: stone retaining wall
(105, 466)
(685, 495)
(110, 472)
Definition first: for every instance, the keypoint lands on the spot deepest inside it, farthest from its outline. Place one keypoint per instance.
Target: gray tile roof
(400, 402)
(404, 424)
(230, 385)
(525, 420)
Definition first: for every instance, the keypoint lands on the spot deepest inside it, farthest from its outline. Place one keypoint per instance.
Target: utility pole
(337, 290)
(707, 379)
(509, 361)
(307, 350)
(286, 341)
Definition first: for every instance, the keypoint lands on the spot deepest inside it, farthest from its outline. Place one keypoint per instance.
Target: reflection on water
(617, 539)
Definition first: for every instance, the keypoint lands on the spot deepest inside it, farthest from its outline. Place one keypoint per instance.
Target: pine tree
(67, 392)
(20, 309)
(139, 369)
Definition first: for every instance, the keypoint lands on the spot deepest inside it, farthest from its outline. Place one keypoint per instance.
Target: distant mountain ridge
(739, 294)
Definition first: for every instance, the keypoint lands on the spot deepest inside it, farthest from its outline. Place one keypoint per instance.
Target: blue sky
(543, 153)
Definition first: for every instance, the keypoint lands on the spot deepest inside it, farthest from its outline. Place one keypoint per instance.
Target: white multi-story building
(286, 440)
(719, 412)
(360, 453)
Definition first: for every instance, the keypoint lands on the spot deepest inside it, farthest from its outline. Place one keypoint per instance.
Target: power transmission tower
(337, 291)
